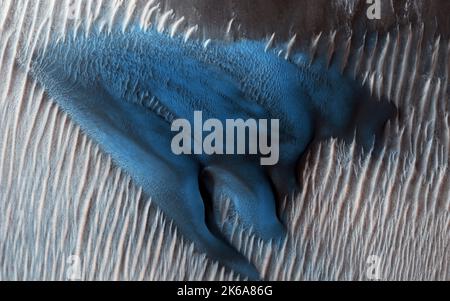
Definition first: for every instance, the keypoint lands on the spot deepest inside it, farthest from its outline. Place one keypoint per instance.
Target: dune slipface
(125, 89)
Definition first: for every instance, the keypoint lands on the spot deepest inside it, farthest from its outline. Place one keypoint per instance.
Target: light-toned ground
(60, 196)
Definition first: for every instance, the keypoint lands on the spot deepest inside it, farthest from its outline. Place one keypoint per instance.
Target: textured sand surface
(60, 196)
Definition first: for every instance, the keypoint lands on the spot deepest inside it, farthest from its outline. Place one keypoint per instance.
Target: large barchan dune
(68, 212)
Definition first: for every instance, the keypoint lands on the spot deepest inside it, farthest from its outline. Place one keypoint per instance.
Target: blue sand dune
(125, 89)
